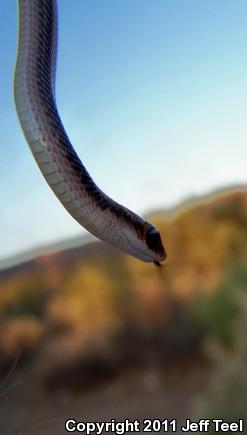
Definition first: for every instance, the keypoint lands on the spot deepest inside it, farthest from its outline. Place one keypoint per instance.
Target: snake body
(34, 89)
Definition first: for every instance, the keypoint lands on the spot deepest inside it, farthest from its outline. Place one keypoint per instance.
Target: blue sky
(153, 95)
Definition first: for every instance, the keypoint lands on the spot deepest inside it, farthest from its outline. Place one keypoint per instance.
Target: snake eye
(152, 237)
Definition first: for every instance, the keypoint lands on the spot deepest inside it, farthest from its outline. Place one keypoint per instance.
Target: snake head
(154, 243)
(144, 241)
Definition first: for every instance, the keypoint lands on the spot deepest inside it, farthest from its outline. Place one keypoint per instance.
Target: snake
(35, 100)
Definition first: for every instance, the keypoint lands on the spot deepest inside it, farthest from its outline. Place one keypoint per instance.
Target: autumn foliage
(93, 311)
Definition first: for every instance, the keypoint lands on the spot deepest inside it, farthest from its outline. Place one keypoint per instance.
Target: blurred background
(154, 99)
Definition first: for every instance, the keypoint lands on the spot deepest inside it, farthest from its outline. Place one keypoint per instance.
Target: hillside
(87, 316)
